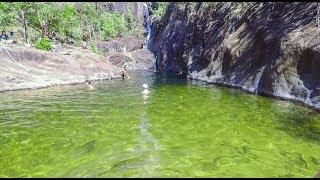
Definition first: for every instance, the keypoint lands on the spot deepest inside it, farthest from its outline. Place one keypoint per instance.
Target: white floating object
(145, 97)
(145, 91)
(145, 86)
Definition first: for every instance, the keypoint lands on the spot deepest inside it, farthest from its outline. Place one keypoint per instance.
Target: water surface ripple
(181, 129)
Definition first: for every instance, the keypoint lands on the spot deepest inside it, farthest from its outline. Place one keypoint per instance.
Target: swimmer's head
(88, 82)
(145, 86)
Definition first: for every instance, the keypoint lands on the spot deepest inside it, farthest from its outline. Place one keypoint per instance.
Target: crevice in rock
(309, 68)
(260, 46)
(226, 61)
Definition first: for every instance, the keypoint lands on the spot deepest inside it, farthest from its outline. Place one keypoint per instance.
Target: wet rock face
(120, 44)
(136, 8)
(137, 59)
(265, 48)
(127, 52)
(140, 59)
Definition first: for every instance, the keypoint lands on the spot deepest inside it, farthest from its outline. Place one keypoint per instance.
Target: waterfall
(147, 24)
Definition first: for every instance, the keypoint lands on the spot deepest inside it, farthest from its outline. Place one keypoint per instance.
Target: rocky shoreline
(29, 68)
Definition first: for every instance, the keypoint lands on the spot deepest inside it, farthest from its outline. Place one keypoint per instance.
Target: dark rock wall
(265, 48)
(122, 7)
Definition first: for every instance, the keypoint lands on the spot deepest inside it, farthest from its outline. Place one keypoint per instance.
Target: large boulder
(137, 59)
(120, 44)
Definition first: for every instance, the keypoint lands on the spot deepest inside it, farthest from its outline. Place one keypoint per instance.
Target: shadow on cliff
(168, 77)
(309, 68)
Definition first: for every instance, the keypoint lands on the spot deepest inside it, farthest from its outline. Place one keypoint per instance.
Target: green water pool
(181, 129)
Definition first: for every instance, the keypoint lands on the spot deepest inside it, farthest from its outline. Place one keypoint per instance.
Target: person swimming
(124, 73)
(88, 83)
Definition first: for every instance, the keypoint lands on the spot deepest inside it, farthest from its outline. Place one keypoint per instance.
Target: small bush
(44, 44)
(159, 10)
(127, 59)
(93, 47)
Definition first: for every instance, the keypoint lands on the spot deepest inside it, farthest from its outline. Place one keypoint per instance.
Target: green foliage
(113, 25)
(127, 59)
(21, 11)
(130, 18)
(159, 10)
(94, 48)
(90, 19)
(44, 18)
(75, 21)
(6, 16)
(44, 44)
(69, 23)
(133, 27)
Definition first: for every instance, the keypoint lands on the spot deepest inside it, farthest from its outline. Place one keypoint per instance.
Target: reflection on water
(149, 143)
(180, 129)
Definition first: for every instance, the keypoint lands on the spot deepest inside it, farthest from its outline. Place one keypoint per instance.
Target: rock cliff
(264, 48)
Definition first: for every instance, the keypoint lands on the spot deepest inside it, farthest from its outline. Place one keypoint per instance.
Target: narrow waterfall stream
(147, 24)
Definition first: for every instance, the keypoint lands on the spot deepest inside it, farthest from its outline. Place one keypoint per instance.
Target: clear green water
(180, 130)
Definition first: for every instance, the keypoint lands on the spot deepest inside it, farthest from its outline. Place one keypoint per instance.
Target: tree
(22, 10)
(44, 17)
(67, 20)
(91, 19)
(6, 15)
(113, 24)
(69, 23)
